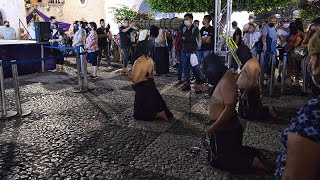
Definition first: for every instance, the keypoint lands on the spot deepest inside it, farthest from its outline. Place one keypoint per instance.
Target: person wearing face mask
(189, 40)
(251, 21)
(251, 39)
(299, 158)
(8, 32)
(93, 48)
(55, 38)
(269, 40)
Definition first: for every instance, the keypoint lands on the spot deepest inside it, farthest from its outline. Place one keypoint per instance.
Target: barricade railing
(272, 59)
(304, 75)
(261, 58)
(83, 87)
(284, 72)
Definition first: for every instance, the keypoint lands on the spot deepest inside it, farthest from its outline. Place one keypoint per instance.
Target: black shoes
(186, 87)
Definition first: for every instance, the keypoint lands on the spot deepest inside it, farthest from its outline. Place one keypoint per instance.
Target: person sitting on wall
(148, 104)
(250, 105)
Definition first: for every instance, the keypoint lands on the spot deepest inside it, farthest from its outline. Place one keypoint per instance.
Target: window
(83, 3)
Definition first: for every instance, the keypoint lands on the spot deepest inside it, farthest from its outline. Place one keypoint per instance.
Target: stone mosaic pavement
(94, 136)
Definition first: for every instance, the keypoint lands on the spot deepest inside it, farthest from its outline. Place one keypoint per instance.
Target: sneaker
(109, 68)
(186, 87)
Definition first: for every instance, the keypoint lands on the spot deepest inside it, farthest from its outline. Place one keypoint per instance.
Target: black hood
(214, 68)
(244, 54)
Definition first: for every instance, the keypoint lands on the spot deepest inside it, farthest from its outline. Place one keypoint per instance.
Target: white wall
(12, 11)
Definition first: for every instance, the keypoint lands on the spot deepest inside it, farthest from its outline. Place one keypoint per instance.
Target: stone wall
(94, 10)
(11, 11)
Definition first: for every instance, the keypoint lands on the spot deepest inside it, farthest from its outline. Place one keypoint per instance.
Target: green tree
(180, 6)
(309, 10)
(124, 12)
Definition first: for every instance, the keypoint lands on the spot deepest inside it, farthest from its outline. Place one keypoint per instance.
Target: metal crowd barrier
(83, 87)
(284, 72)
(261, 58)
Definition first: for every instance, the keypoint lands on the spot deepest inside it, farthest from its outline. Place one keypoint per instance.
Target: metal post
(284, 74)
(78, 62)
(216, 27)
(84, 68)
(42, 56)
(4, 112)
(273, 66)
(17, 90)
(304, 74)
(262, 57)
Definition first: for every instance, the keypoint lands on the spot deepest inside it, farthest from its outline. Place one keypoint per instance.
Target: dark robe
(256, 110)
(227, 153)
(148, 101)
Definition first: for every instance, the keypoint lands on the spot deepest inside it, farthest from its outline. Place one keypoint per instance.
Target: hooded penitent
(244, 54)
(214, 69)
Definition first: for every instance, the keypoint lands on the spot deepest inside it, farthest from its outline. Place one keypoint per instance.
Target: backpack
(198, 37)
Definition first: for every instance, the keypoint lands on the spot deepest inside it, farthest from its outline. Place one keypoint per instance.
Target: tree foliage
(309, 10)
(180, 6)
(124, 12)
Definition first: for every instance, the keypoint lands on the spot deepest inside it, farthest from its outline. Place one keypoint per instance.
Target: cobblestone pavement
(94, 136)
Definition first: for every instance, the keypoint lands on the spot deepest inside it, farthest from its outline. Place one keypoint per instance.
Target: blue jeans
(268, 59)
(202, 54)
(125, 55)
(180, 67)
(185, 60)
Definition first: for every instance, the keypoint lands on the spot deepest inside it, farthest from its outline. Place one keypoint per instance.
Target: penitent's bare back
(224, 94)
(250, 72)
(143, 69)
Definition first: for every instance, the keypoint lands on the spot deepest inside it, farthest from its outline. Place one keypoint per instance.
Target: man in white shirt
(7, 32)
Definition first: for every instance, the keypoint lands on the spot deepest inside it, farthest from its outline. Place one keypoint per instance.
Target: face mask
(286, 25)
(251, 30)
(89, 28)
(196, 25)
(251, 20)
(7, 25)
(271, 24)
(186, 22)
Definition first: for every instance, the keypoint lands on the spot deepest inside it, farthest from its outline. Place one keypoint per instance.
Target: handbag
(301, 51)
(194, 59)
